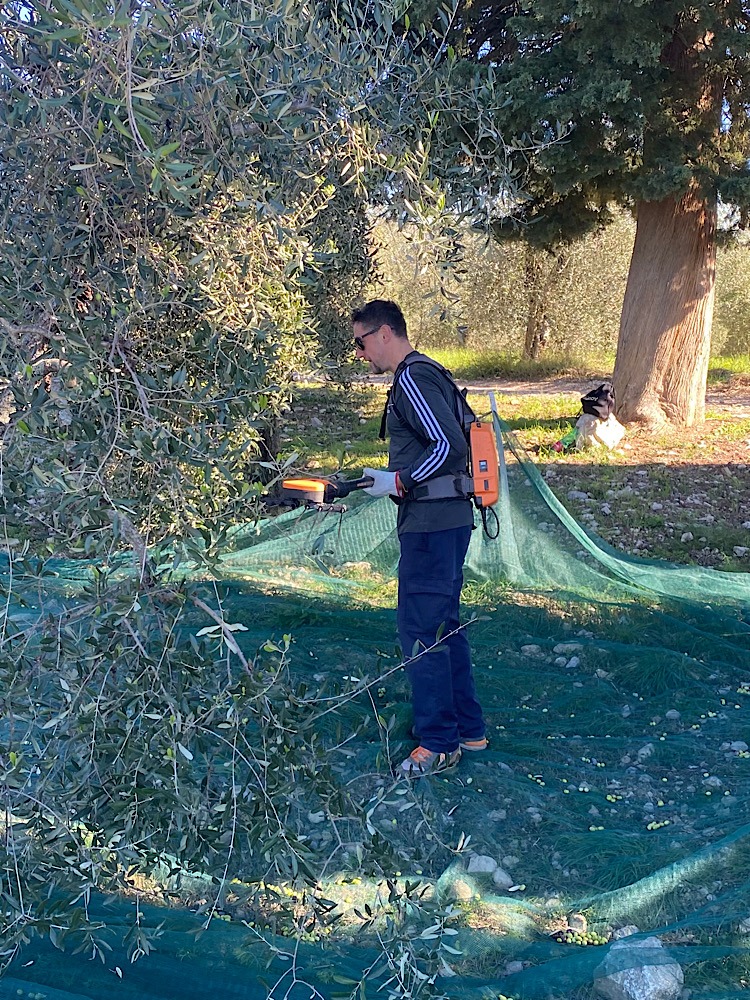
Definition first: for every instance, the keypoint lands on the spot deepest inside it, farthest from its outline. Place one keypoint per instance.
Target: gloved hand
(384, 485)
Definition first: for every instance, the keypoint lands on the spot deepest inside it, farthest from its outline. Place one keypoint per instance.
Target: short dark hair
(381, 311)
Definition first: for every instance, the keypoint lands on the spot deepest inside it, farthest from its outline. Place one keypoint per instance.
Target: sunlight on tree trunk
(665, 330)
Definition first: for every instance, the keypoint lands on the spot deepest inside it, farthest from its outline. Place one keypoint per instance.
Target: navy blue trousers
(430, 577)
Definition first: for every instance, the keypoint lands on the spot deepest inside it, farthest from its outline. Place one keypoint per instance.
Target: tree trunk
(539, 288)
(665, 328)
(269, 445)
(535, 306)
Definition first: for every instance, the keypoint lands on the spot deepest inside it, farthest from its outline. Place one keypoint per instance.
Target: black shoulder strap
(384, 417)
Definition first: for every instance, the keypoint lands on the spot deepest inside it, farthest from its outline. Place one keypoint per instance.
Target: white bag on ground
(591, 432)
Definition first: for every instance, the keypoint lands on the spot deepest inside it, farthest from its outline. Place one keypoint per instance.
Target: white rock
(623, 932)
(626, 711)
(652, 976)
(657, 506)
(573, 662)
(511, 967)
(686, 536)
(510, 861)
(567, 647)
(560, 661)
(746, 524)
(577, 495)
(738, 746)
(744, 926)
(645, 751)
(481, 864)
(531, 649)
(741, 550)
(502, 879)
(673, 715)
(713, 782)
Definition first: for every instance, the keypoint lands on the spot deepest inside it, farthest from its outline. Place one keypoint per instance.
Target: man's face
(373, 347)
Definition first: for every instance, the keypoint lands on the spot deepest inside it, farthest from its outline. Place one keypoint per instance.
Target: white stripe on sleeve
(431, 425)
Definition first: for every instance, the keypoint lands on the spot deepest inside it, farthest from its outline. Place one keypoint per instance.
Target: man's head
(380, 335)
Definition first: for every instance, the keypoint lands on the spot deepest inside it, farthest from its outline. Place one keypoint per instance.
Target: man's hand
(385, 483)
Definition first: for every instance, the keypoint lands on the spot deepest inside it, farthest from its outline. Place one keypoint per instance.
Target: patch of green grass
(729, 428)
(469, 363)
(332, 428)
(723, 366)
(472, 363)
(542, 419)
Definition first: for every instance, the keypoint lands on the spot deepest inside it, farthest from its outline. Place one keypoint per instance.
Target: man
(427, 456)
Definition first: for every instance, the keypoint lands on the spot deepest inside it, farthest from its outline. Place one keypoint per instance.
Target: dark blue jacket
(426, 441)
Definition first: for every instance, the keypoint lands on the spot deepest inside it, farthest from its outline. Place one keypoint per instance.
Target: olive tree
(172, 180)
(644, 105)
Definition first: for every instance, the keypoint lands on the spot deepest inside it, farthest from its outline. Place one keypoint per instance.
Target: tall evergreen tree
(645, 104)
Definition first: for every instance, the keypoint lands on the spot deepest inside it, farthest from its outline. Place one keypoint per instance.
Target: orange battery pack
(484, 463)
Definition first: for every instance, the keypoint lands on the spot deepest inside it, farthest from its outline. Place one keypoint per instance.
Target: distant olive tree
(731, 330)
(499, 293)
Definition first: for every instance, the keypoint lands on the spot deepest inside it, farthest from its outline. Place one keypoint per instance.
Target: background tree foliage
(644, 105)
(490, 298)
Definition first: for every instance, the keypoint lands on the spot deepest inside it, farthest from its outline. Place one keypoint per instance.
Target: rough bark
(665, 328)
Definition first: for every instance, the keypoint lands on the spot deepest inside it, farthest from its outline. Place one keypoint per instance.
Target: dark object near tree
(600, 402)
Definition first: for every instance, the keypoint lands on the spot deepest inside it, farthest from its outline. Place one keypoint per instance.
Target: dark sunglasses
(360, 341)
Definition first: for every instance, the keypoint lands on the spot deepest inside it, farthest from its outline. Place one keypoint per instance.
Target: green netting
(616, 784)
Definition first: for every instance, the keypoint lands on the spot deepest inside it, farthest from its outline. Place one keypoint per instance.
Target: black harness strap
(384, 418)
(465, 418)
